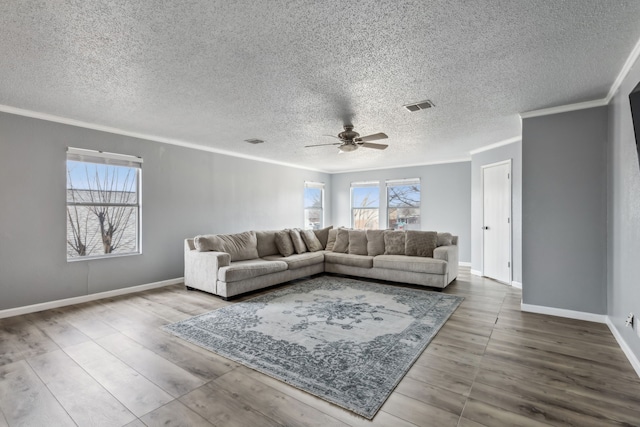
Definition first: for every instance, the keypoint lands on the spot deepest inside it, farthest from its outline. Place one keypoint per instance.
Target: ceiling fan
(351, 140)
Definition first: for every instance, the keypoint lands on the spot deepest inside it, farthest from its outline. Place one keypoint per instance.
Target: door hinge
(509, 264)
(508, 220)
(508, 176)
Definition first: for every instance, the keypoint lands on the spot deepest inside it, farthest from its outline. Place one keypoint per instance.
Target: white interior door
(496, 255)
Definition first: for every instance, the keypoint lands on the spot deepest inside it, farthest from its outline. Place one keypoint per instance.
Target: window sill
(95, 257)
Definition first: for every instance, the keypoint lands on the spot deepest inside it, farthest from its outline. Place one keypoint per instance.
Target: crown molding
(444, 162)
(565, 108)
(626, 68)
(496, 145)
(140, 135)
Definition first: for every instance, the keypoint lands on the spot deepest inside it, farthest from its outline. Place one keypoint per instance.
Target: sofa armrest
(450, 254)
(201, 268)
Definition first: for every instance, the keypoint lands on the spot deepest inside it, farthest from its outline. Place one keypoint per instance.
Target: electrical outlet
(629, 321)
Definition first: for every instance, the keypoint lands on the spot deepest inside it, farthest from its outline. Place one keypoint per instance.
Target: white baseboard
(561, 312)
(85, 298)
(624, 346)
(516, 284)
(476, 272)
(464, 264)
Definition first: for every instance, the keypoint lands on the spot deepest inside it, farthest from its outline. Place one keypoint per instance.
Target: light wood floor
(108, 363)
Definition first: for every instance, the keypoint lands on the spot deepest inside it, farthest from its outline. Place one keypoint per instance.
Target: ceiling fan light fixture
(346, 148)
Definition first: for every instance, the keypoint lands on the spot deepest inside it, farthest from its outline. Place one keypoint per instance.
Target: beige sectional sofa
(231, 265)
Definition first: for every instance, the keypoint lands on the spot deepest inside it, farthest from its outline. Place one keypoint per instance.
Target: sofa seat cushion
(298, 260)
(242, 270)
(351, 260)
(410, 263)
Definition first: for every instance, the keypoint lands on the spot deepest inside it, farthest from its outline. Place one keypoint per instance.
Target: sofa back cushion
(375, 242)
(394, 242)
(342, 241)
(241, 246)
(420, 243)
(298, 243)
(323, 235)
(331, 239)
(267, 243)
(311, 241)
(357, 242)
(284, 243)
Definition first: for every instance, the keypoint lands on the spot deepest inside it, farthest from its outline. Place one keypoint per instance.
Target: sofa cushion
(445, 239)
(394, 242)
(357, 242)
(363, 261)
(410, 263)
(298, 243)
(323, 235)
(284, 243)
(420, 243)
(299, 260)
(375, 242)
(342, 241)
(267, 243)
(241, 246)
(331, 239)
(311, 241)
(243, 270)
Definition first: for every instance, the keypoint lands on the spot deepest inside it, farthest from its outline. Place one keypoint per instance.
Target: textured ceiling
(214, 73)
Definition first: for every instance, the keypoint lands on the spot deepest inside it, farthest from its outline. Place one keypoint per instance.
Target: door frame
(508, 162)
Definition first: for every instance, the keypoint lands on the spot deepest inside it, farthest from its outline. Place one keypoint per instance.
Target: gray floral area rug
(347, 341)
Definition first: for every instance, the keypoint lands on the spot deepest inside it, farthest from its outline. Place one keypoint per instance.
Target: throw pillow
(284, 243)
(239, 246)
(420, 243)
(445, 239)
(342, 241)
(357, 242)
(323, 235)
(311, 240)
(267, 243)
(331, 239)
(204, 243)
(298, 243)
(375, 242)
(394, 242)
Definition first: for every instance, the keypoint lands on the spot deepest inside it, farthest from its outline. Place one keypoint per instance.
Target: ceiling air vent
(417, 106)
(254, 141)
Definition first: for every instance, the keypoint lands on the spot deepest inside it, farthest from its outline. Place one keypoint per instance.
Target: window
(313, 205)
(365, 205)
(103, 204)
(403, 204)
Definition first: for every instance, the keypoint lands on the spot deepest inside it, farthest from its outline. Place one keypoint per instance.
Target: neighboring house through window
(403, 204)
(365, 205)
(313, 205)
(103, 204)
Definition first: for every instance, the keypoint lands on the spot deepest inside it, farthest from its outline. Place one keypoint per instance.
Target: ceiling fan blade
(320, 145)
(373, 145)
(374, 137)
(332, 136)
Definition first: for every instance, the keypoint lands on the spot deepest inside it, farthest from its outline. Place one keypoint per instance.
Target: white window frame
(397, 183)
(363, 184)
(320, 186)
(114, 159)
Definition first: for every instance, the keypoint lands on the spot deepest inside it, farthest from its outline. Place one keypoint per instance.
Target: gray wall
(623, 283)
(513, 152)
(184, 192)
(445, 198)
(564, 214)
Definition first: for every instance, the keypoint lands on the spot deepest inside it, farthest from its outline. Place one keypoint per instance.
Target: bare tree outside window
(102, 209)
(365, 207)
(313, 206)
(403, 205)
